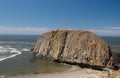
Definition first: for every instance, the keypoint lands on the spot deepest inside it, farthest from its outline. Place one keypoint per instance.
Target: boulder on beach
(75, 47)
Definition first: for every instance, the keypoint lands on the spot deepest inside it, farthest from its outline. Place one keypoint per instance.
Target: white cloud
(109, 31)
(22, 30)
(114, 28)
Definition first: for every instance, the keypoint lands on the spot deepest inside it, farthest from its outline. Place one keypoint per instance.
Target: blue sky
(38, 16)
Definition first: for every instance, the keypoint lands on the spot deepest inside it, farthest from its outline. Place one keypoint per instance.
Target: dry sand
(75, 72)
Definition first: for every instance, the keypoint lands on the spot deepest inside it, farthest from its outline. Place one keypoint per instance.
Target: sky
(38, 16)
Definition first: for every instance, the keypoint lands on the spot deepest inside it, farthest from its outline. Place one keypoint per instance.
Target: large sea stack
(75, 47)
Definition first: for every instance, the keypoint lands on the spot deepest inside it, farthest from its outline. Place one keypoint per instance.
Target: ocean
(16, 57)
(114, 42)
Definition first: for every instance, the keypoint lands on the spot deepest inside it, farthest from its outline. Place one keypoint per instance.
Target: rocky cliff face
(74, 46)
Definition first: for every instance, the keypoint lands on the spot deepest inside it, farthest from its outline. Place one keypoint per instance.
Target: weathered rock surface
(74, 46)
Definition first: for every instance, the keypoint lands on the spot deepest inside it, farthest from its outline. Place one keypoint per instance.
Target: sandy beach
(75, 72)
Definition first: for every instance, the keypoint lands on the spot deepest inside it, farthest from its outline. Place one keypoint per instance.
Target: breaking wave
(25, 49)
(7, 52)
(17, 42)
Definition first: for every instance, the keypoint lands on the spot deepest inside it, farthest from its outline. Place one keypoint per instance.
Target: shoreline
(74, 72)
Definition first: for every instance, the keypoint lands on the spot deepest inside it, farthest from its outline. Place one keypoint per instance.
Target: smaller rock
(114, 62)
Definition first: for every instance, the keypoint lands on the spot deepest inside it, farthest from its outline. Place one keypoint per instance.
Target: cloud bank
(108, 31)
(22, 30)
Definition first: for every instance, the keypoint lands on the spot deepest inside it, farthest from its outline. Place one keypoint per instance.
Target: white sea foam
(25, 49)
(7, 52)
(17, 42)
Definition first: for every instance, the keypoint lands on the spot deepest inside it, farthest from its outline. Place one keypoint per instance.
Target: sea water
(16, 57)
(113, 41)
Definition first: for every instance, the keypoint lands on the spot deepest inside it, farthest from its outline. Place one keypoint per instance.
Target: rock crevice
(63, 46)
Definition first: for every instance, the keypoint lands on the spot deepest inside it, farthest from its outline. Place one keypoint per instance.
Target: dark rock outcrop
(114, 62)
(74, 46)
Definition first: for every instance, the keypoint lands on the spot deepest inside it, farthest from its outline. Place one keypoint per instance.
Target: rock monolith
(75, 47)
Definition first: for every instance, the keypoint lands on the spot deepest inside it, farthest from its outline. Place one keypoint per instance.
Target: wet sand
(75, 72)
